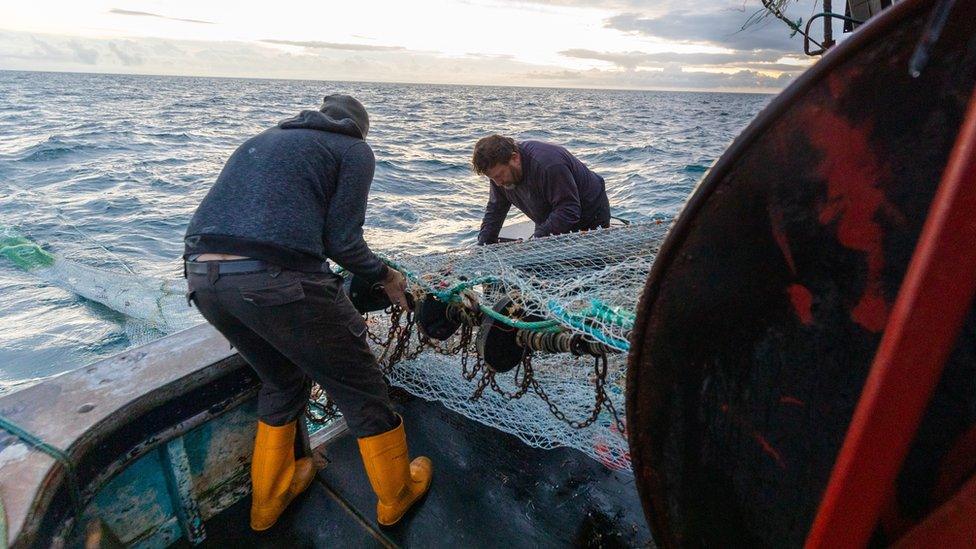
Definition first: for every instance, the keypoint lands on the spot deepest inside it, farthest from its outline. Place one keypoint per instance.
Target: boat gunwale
(147, 381)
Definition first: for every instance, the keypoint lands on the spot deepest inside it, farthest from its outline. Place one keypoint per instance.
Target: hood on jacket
(338, 114)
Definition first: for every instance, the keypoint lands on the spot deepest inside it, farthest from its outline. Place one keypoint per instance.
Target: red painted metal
(920, 333)
(957, 466)
(951, 525)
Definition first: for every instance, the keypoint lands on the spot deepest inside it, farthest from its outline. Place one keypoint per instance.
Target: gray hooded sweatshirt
(295, 195)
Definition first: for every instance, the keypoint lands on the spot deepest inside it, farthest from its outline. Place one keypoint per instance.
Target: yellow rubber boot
(276, 476)
(397, 481)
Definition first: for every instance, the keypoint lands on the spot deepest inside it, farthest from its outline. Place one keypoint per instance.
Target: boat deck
(489, 490)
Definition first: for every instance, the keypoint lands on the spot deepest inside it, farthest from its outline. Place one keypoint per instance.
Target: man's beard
(516, 179)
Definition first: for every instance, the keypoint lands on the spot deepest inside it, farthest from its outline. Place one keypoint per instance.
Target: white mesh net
(152, 307)
(585, 282)
(576, 286)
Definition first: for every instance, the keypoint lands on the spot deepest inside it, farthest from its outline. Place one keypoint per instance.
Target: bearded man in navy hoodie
(547, 183)
(257, 254)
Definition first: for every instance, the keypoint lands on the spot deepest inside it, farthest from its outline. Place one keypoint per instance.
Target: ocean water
(106, 170)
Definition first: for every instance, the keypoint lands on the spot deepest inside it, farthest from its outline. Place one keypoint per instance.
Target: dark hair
(491, 151)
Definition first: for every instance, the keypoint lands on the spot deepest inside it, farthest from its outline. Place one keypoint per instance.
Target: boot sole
(410, 509)
(300, 491)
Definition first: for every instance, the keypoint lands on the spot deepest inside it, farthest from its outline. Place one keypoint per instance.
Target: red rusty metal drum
(760, 318)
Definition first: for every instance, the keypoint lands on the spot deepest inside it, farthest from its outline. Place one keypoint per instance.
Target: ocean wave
(695, 168)
(49, 150)
(118, 170)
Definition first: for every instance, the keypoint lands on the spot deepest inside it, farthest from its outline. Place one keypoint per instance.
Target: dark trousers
(292, 328)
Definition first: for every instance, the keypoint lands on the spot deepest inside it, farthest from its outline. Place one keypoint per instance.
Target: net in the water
(152, 307)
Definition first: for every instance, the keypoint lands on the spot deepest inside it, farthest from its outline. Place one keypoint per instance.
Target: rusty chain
(400, 335)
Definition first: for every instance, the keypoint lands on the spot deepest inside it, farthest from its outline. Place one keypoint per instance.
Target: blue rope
(598, 310)
(557, 310)
(59, 455)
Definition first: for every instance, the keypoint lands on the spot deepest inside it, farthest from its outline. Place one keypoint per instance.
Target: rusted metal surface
(77, 410)
(136, 505)
(176, 452)
(219, 455)
(766, 304)
(99, 536)
(224, 443)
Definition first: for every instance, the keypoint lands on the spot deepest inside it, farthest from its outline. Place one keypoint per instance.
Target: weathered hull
(130, 417)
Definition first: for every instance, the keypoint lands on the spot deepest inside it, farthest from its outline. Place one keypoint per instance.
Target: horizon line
(742, 91)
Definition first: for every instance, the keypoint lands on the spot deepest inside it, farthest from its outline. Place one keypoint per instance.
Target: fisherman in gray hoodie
(257, 256)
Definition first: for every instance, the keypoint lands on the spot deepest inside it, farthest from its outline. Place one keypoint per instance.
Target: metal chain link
(324, 412)
(400, 334)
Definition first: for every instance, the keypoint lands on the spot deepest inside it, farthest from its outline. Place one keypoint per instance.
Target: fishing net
(152, 307)
(527, 337)
(560, 308)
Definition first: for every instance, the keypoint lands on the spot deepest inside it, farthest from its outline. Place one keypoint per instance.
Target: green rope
(59, 455)
(449, 294)
(4, 542)
(537, 326)
(598, 310)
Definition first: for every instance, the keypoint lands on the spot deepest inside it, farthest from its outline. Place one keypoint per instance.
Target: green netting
(22, 252)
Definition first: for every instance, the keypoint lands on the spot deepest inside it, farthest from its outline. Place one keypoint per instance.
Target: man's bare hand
(395, 286)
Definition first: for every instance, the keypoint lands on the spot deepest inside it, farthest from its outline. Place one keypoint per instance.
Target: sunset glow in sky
(671, 44)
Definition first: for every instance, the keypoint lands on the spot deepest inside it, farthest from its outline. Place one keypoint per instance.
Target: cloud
(28, 51)
(45, 49)
(765, 46)
(605, 4)
(85, 55)
(127, 58)
(63, 51)
(333, 45)
(719, 28)
(554, 75)
(82, 54)
(757, 59)
(118, 11)
(500, 56)
(670, 77)
(775, 67)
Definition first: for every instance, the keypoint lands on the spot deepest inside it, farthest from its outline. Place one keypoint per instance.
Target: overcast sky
(663, 44)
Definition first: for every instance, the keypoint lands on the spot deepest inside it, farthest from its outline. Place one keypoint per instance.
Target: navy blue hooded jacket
(295, 195)
(558, 192)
